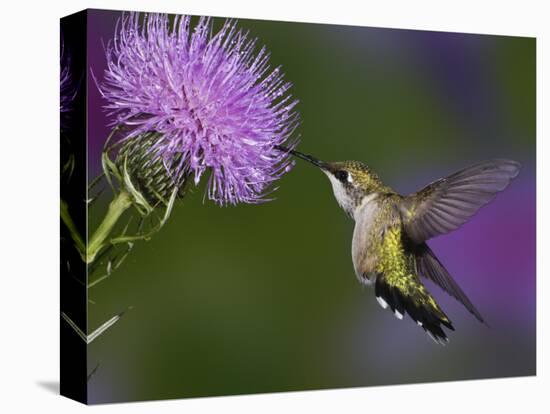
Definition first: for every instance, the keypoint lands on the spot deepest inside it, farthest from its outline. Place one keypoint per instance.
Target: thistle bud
(144, 175)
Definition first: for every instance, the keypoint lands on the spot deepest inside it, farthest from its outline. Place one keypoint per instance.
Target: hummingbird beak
(318, 163)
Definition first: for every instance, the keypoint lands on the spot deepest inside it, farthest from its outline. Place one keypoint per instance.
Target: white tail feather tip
(382, 302)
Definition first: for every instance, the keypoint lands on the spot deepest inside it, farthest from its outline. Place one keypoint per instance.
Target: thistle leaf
(139, 200)
(99, 331)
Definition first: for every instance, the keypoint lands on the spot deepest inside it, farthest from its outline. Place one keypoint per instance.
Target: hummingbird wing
(398, 286)
(446, 204)
(429, 266)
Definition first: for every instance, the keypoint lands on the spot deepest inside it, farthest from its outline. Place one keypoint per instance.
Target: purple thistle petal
(67, 91)
(218, 106)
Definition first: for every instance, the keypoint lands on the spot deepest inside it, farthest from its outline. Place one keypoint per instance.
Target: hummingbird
(389, 246)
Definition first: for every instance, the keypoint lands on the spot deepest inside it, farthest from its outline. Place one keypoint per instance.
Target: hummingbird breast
(372, 217)
(366, 222)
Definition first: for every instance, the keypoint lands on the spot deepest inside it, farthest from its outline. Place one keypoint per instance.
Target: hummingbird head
(351, 181)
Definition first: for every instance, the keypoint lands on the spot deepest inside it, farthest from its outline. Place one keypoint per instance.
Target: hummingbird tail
(407, 295)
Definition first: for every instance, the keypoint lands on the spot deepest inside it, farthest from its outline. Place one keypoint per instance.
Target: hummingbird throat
(348, 196)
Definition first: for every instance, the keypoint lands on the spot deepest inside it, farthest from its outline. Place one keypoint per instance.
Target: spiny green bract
(147, 171)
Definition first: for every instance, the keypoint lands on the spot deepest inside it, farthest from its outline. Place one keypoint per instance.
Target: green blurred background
(264, 298)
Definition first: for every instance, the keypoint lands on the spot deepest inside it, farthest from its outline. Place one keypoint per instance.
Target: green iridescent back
(364, 176)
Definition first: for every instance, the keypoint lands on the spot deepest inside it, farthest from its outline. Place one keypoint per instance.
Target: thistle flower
(66, 86)
(213, 103)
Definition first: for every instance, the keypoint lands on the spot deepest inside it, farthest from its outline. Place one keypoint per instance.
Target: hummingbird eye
(341, 175)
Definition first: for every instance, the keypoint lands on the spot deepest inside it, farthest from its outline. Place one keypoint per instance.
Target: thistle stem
(75, 235)
(116, 208)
